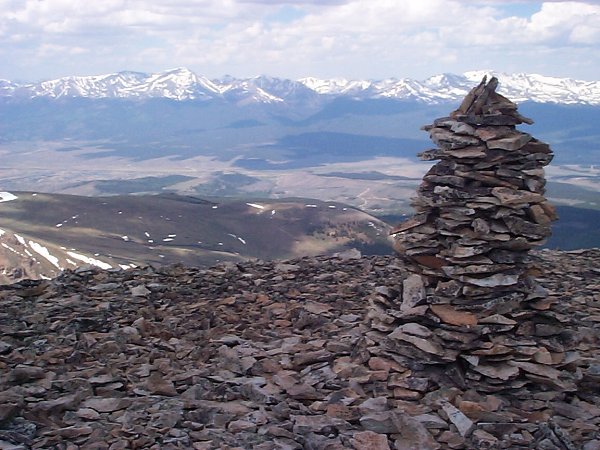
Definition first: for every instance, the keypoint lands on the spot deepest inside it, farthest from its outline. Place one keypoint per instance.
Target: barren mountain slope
(44, 233)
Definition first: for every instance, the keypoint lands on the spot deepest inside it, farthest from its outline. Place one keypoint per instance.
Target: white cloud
(585, 34)
(353, 38)
(52, 50)
(568, 21)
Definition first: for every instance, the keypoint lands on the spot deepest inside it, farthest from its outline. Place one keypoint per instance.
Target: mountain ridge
(183, 84)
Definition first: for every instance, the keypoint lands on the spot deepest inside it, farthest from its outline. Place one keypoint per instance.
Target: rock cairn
(470, 296)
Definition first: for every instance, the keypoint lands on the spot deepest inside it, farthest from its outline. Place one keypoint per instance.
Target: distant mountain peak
(180, 83)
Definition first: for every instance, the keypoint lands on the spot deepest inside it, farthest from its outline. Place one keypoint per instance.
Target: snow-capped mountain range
(183, 84)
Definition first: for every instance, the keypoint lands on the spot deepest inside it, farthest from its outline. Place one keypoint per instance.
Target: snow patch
(88, 260)
(214, 207)
(8, 247)
(125, 238)
(147, 234)
(255, 205)
(58, 225)
(20, 239)
(2, 232)
(238, 238)
(310, 206)
(167, 239)
(7, 197)
(43, 251)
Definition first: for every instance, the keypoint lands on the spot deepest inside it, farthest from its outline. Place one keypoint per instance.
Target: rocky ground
(283, 355)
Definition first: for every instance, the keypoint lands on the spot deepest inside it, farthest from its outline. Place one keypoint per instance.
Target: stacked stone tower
(481, 208)
(479, 211)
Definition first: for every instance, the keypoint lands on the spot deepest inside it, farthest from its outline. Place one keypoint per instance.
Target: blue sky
(356, 39)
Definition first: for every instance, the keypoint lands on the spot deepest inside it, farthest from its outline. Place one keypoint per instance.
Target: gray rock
(317, 424)
(5, 347)
(463, 424)
(140, 291)
(413, 292)
(512, 142)
(381, 422)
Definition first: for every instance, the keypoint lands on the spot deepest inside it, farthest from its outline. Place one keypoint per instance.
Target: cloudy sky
(369, 39)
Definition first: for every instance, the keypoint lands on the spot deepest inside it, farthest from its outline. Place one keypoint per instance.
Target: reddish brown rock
(369, 440)
(450, 315)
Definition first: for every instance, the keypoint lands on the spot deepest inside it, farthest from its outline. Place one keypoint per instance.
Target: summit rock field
(289, 355)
